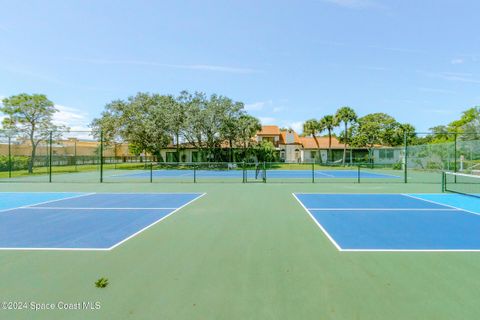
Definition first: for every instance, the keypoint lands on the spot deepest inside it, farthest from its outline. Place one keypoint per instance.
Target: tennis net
(468, 184)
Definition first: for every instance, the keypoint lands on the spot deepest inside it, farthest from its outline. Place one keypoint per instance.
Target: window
(385, 154)
(313, 154)
(171, 157)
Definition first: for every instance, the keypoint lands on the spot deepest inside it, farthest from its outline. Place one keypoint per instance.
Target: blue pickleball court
(396, 222)
(81, 221)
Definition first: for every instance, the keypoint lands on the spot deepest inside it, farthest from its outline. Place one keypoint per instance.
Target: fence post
(50, 158)
(455, 156)
(405, 156)
(313, 171)
(151, 172)
(101, 156)
(75, 154)
(244, 173)
(264, 172)
(443, 181)
(194, 173)
(9, 157)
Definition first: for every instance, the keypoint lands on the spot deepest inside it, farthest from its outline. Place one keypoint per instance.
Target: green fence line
(408, 163)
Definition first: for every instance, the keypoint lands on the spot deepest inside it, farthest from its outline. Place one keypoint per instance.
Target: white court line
(326, 175)
(439, 203)
(318, 224)
(380, 209)
(389, 250)
(200, 195)
(49, 201)
(77, 208)
(154, 223)
(56, 249)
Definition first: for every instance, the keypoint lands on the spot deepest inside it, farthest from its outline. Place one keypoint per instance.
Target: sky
(288, 61)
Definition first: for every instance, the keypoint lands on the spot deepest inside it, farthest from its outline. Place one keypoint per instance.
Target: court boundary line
(388, 250)
(99, 208)
(435, 202)
(198, 196)
(157, 221)
(382, 209)
(329, 237)
(49, 201)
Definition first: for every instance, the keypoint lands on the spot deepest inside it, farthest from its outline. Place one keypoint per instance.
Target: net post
(313, 171)
(194, 173)
(264, 172)
(244, 172)
(101, 156)
(9, 157)
(50, 154)
(405, 157)
(443, 181)
(358, 173)
(151, 172)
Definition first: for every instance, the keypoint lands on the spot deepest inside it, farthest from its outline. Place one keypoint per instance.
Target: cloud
(73, 118)
(297, 126)
(432, 90)
(201, 67)
(267, 120)
(277, 109)
(440, 111)
(373, 68)
(452, 76)
(255, 106)
(354, 4)
(457, 61)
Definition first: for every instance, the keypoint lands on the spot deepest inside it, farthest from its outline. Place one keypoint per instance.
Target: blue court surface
(271, 174)
(396, 222)
(81, 221)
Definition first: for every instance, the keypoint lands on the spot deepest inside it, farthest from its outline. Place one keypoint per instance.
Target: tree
(379, 129)
(346, 115)
(313, 127)
(141, 120)
(328, 123)
(248, 126)
(265, 151)
(230, 130)
(31, 117)
(175, 112)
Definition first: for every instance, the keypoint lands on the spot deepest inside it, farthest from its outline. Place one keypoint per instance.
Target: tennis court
(81, 221)
(271, 174)
(396, 222)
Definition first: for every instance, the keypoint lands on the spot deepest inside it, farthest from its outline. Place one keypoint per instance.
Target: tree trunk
(32, 158)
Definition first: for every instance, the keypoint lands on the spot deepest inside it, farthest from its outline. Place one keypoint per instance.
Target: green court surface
(243, 251)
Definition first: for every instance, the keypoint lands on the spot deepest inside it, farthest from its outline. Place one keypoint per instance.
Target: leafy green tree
(175, 116)
(248, 126)
(31, 118)
(328, 123)
(266, 151)
(141, 120)
(313, 127)
(346, 115)
(230, 129)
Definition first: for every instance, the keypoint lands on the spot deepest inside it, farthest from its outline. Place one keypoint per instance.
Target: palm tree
(312, 128)
(346, 115)
(328, 123)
